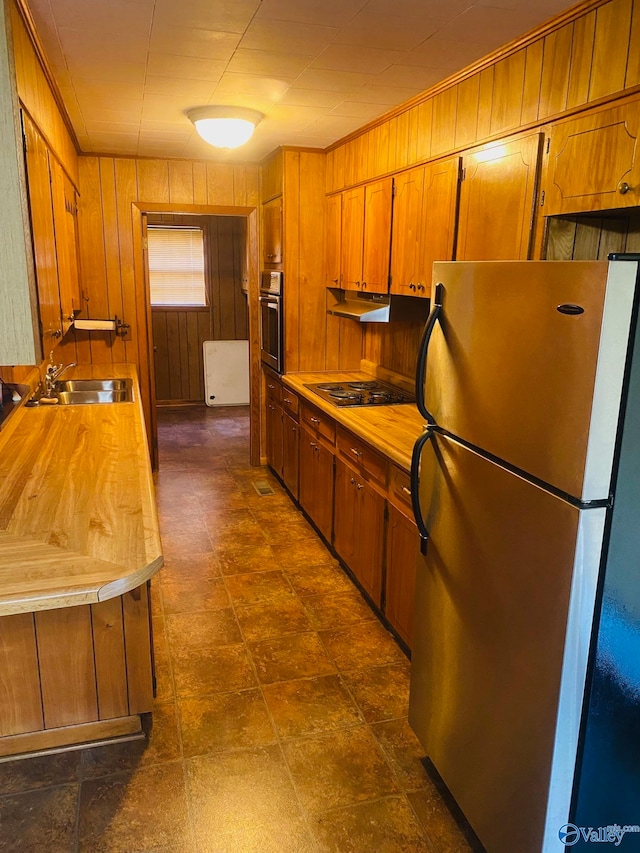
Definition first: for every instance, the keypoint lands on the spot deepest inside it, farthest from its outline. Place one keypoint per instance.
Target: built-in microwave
(271, 320)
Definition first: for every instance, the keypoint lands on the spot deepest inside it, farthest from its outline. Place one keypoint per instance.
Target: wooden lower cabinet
(359, 528)
(316, 481)
(75, 673)
(403, 547)
(274, 436)
(290, 453)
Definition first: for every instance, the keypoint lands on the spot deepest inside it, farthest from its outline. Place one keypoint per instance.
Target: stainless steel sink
(81, 392)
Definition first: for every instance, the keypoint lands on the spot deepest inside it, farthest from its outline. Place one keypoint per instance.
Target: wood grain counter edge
(37, 575)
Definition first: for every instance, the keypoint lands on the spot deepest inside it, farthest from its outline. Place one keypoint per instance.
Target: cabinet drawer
(400, 488)
(318, 422)
(273, 387)
(290, 402)
(372, 464)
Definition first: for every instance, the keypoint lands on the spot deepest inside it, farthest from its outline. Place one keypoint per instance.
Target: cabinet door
(64, 219)
(44, 243)
(369, 532)
(403, 546)
(497, 196)
(352, 238)
(377, 236)
(344, 523)
(316, 482)
(272, 232)
(439, 208)
(407, 231)
(593, 162)
(274, 435)
(290, 448)
(333, 240)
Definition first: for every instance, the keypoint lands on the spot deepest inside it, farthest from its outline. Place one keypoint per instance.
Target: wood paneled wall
(36, 95)
(178, 335)
(592, 238)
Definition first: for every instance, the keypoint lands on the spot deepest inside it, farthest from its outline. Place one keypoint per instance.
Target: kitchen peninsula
(79, 541)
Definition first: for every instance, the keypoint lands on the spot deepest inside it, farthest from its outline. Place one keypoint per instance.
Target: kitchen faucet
(53, 373)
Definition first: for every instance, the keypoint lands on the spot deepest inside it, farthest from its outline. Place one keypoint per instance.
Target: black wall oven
(271, 320)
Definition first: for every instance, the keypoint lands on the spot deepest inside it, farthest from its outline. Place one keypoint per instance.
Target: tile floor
(280, 718)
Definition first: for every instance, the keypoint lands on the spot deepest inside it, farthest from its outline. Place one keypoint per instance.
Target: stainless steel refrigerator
(528, 388)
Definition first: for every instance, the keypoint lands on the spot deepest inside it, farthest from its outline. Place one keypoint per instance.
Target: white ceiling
(317, 69)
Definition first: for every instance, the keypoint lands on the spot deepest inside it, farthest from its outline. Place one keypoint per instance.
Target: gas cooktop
(361, 393)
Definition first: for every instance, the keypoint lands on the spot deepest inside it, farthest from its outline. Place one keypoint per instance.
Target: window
(176, 266)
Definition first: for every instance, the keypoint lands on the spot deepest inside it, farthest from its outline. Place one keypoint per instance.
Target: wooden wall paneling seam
(610, 48)
(443, 128)
(485, 99)
(402, 141)
(393, 139)
(508, 86)
(467, 119)
(425, 120)
(532, 82)
(20, 696)
(199, 182)
(555, 71)
(135, 608)
(143, 320)
(291, 212)
(126, 193)
(219, 184)
(180, 182)
(632, 75)
(115, 346)
(153, 182)
(584, 30)
(338, 168)
(312, 316)
(108, 645)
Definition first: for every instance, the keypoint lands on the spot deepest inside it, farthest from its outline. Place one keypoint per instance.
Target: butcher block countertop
(392, 430)
(78, 520)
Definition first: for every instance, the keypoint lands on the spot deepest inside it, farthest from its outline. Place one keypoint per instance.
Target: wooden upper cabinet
(377, 236)
(497, 198)
(593, 162)
(65, 226)
(351, 247)
(272, 232)
(333, 239)
(424, 217)
(43, 233)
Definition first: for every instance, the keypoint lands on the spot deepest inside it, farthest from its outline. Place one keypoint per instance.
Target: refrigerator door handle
(421, 365)
(426, 436)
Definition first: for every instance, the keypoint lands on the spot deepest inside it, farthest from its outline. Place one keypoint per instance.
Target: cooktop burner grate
(361, 393)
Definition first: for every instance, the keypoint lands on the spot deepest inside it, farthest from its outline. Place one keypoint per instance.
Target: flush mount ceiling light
(225, 127)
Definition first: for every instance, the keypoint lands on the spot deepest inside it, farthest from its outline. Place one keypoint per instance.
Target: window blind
(176, 266)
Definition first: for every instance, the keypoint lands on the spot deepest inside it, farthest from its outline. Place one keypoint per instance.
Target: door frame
(139, 210)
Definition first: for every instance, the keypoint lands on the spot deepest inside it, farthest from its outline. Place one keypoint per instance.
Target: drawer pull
(359, 486)
(357, 452)
(406, 491)
(288, 400)
(352, 481)
(271, 387)
(315, 421)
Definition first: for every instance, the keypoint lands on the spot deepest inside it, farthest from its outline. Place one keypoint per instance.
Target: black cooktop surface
(361, 393)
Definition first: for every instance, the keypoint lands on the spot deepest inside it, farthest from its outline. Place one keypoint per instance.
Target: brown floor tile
(382, 692)
(235, 535)
(203, 672)
(189, 595)
(438, 823)
(403, 751)
(335, 610)
(296, 656)
(384, 826)
(155, 596)
(41, 772)
(161, 746)
(259, 588)
(205, 630)
(135, 811)
(39, 820)
(176, 544)
(318, 580)
(309, 552)
(245, 558)
(288, 835)
(196, 566)
(227, 721)
(232, 792)
(162, 662)
(261, 621)
(271, 517)
(339, 769)
(290, 531)
(214, 501)
(361, 645)
(310, 706)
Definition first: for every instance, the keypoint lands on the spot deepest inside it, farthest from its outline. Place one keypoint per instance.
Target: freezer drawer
(512, 374)
(508, 566)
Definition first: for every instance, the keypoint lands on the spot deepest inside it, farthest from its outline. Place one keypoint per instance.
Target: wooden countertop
(78, 520)
(392, 430)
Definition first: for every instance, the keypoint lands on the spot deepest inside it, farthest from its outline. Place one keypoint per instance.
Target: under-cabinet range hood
(375, 307)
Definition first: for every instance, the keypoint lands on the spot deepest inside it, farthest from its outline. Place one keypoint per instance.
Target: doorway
(179, 330)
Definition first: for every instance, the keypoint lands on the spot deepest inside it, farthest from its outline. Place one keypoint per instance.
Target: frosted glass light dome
(225, 127)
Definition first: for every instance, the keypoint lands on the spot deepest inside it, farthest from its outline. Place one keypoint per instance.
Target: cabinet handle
(364, 285)
(359, 486)
(406, 490)
(357, 284)
(352, 481)
(421, 287)
(412, 286)
(270, 386)
(294, 429)
(288, 400)
(623, 187)
(334, 280)
(313, 444)
(57, 333)
(357, 452)
(315, 421)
